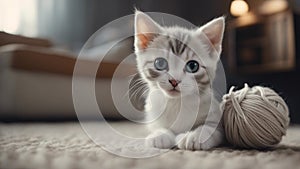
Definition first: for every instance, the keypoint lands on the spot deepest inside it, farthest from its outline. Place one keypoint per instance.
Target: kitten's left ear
(214, 31)
(145, 30)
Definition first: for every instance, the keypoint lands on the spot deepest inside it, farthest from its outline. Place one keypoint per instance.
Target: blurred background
(40, 40)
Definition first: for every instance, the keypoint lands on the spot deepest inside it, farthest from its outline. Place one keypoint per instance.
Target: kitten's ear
(145, 30)
(214, 31)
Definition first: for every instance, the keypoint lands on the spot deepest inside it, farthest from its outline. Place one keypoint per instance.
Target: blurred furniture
(36, 80)
(6, 39)
(262, 43)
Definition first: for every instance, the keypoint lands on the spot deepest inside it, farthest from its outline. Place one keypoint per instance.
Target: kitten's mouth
(173, 92)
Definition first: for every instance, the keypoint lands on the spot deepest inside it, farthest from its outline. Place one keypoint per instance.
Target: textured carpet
(66, 146)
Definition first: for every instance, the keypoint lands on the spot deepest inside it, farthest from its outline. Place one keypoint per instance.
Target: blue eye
(192, 66)
(161, 64)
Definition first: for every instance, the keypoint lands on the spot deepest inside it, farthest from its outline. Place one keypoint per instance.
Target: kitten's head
(177, 60)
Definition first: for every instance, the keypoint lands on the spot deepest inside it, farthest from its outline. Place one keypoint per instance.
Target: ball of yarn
(254, 117)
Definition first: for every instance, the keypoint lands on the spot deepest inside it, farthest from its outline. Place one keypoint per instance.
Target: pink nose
(174, 82)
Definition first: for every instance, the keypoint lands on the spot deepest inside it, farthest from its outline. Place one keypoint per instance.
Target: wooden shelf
(261, 43)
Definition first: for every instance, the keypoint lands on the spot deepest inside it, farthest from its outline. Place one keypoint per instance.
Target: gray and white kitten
(178, 65)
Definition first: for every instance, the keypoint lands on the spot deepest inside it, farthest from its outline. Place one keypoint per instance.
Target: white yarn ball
(254, 117)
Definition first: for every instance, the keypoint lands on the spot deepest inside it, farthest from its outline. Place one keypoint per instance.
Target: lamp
(239, 7)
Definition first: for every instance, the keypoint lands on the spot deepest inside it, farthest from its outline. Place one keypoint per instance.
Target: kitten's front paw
(161, 139)
(195, 140)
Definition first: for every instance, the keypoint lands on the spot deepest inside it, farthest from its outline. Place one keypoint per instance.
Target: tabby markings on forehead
(177, 46)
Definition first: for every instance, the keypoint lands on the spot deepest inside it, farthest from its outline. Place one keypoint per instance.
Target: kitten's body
(179, 100)
(176, 115)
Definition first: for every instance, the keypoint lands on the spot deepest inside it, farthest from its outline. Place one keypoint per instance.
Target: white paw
(195, 140)
(163, 139)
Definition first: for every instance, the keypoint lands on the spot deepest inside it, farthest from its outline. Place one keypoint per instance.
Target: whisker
(136, 95)
(132, 75)
(134, 91)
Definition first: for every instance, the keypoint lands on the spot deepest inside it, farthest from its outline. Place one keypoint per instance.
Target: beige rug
(66, 146)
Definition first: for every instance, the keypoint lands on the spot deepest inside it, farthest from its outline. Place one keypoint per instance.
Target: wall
(72, 22)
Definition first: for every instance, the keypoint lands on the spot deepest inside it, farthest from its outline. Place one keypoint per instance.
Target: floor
(68, 146)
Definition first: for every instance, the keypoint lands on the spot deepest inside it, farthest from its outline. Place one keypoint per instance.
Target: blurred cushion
(6, 38)
(50, 60)
(112, 51)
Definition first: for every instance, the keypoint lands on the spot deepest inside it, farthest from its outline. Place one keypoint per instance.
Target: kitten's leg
(161, 138)
(202, 138)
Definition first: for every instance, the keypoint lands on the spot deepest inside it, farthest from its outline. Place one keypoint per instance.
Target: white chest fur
(177, 114)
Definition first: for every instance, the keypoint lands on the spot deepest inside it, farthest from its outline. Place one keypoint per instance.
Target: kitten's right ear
(214, 31)
(145, 30)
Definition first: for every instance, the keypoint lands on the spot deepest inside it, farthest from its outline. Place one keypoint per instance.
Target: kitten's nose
(174, 82)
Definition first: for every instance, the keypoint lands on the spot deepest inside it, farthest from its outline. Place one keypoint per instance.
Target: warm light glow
(239, 7)
(9, 15)
(248, 19)
(273, 6)
(18, 16)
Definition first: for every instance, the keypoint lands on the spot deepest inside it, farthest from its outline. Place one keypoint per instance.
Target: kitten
(178, 66)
